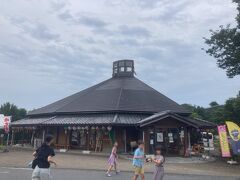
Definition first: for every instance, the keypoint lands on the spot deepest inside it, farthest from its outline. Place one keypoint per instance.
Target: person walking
(112, 161)
(43, 159)
(138, 161)
(159, 160)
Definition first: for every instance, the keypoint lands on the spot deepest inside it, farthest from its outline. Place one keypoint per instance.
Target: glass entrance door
(161, 139)
(169, 140)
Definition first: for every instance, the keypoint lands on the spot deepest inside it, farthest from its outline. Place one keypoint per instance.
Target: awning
(197, 123)
(31, 121)
(131, 119)
(83, 119)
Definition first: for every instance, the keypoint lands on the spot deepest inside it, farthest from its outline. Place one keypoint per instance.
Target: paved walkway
(63, 174)
(88, 162)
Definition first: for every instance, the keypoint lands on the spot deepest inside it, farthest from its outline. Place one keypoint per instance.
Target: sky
(52, 49)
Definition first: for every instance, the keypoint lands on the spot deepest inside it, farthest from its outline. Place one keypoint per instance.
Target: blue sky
(51, 49)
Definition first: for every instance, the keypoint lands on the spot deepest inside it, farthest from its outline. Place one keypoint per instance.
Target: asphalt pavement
(66, 174)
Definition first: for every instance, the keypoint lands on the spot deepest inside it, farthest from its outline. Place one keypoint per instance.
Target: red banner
(224, 141)
(6, 121)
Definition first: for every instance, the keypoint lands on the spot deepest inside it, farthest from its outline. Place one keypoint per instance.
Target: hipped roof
(117, 94)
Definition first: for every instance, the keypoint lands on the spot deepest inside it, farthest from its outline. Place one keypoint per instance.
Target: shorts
(138, 170)
(41, 174)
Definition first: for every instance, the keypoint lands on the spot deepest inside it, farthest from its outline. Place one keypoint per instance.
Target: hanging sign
(7, 121)
(224, 141)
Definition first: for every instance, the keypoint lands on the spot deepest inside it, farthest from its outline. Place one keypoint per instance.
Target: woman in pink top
(112, 161)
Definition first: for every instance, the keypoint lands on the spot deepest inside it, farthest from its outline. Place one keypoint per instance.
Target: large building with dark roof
(122, 109)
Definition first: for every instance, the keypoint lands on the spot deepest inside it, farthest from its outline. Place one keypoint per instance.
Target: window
(121, 69)
(115, 70)
(121, 63)
(115, 66)
(129, 63)
(129, 69)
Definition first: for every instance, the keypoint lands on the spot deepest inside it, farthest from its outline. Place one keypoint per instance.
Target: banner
(224, 141)
(234, 130)
(7, 121)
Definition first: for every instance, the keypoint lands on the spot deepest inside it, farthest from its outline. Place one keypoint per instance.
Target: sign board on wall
(170, 137)
(159, 137)
(151, 142)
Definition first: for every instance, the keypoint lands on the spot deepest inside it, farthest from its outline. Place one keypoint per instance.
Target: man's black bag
(35, 161)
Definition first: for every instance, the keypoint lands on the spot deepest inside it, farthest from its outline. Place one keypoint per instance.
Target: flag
(224, 141)
(7, 121)
(234, 130)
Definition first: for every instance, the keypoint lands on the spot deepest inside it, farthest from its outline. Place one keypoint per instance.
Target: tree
(197, 111)
(232, 109)
(224, 45)
(218, 113)
(9, 109)
(213, 104)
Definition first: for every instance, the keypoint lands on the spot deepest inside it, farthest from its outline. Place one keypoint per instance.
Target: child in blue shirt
(138, 161)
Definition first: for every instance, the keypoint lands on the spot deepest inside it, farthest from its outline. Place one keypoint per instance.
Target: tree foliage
(232, 109)
(224, 45)
(218, 113)
(213, 104)
(9, 109)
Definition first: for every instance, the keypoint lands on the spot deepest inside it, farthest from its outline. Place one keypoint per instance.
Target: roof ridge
(119, 97)
(115, 118)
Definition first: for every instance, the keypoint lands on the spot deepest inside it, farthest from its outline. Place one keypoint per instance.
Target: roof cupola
(123, 68)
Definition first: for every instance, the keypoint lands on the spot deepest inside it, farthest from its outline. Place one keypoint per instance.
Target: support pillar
(186, 142)
(88, 138)
(57, 138)
(32, 138)
(125, 139)
(43, 135)
(66, 136)
(12, 140)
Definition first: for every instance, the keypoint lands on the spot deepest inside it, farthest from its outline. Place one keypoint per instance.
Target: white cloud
(55, 48)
